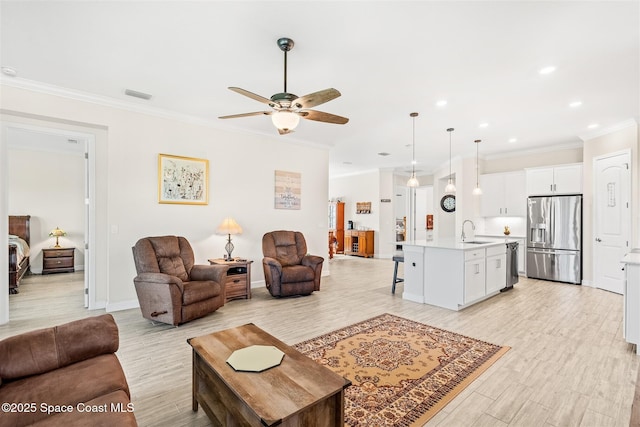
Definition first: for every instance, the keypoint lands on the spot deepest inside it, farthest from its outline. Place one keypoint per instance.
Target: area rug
(402, 372)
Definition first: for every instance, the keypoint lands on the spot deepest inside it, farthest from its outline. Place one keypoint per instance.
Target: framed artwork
(288, 190)
(183, 180)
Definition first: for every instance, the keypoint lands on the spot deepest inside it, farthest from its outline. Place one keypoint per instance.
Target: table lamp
(57, 233)
(229, 226)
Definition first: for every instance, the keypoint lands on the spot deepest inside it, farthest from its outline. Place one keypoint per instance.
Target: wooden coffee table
(298, 392)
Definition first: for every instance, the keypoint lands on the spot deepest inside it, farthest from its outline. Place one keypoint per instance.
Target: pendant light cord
(413, 160)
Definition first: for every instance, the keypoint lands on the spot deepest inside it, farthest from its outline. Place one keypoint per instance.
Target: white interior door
(612, 221)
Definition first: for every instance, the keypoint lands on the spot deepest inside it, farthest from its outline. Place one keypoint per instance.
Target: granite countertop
(457, 244)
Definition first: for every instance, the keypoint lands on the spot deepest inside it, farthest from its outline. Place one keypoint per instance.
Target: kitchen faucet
(473, 227)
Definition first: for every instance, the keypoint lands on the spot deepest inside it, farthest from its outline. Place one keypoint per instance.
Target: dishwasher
(512, 266)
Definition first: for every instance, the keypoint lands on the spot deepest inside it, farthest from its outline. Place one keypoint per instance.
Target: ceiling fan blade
(252, 96)
(316, 98)
(255, 113)
(320, 116)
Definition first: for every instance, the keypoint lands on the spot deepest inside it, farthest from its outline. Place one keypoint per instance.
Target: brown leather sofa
(67, 375)
(288, 270)
(170, 288)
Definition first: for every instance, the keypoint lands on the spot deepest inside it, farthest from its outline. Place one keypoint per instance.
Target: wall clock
(448, 203)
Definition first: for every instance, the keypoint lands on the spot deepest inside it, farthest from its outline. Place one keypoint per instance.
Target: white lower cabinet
(631, 307)
(474, 275)
(496, 264)
(453, 275)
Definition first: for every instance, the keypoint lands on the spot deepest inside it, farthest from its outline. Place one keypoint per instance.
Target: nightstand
(58, 260)
(238, 281)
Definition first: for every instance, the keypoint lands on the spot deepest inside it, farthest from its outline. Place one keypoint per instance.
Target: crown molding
(545, 149)
(106, 101)
(609, 129)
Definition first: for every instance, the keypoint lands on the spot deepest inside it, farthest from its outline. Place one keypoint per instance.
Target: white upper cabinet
(564, 179)
(503, 194)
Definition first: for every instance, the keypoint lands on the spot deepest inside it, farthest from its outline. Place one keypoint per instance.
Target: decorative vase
(506, 230)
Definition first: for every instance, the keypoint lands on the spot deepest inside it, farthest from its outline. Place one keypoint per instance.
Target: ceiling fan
(287, 107)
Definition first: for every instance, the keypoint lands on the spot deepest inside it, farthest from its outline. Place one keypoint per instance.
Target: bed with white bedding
(19, 240)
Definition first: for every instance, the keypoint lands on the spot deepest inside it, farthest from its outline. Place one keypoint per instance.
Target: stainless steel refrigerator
(554, 238)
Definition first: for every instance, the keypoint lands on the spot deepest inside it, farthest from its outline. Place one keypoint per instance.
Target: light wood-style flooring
(568, 365)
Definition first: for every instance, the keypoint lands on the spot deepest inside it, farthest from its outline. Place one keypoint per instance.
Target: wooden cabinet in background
(336, 228)
(359, 242)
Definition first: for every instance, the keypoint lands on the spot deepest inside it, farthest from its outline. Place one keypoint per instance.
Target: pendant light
(477, 191)
(450, 188)
(413, 181)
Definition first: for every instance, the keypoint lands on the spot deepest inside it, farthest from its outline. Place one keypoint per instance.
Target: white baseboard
(123, 305)
(588, 283)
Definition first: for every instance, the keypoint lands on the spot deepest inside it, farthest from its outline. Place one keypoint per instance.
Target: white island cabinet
(452, 274)
(631, 318)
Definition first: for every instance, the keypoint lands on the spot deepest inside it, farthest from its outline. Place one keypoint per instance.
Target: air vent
(383, 154)
(72, 141)
(137, 94)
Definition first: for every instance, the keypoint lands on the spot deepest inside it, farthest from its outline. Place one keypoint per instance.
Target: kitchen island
(452, 274)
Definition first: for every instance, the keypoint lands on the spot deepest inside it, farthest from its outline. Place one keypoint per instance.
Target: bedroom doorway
(65, 196)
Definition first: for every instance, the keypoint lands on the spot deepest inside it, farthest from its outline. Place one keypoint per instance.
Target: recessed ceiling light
(413, 162)
(547, 70)
(593, 126)
(8, 71)
(441, 103)
(575, 104)
(483, 125)
(512, 140)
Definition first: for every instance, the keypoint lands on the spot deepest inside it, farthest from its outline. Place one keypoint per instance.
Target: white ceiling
(387, 58)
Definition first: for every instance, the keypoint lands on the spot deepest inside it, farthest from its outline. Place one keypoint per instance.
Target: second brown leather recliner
(288, 270)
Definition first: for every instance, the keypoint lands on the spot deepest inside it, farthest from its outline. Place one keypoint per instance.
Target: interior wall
(356, 188)
(241, 179)
(54, 197)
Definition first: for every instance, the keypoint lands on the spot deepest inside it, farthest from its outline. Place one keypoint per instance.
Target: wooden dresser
(58, 260)
(359, 242)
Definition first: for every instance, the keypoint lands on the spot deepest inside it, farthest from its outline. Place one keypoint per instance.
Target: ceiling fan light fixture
(285, 120)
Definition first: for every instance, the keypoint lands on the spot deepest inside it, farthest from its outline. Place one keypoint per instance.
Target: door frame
(627, 195)
(90, 198)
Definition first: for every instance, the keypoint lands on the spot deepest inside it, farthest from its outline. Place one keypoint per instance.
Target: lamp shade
(57, 232)
(285, 120)
(229, 226)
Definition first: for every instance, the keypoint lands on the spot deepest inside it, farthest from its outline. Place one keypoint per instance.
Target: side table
(58, 260)
(238, 281)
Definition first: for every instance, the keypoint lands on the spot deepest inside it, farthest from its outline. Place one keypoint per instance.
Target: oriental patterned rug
(402, 372)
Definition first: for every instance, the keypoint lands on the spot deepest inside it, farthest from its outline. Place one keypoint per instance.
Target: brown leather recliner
(288, 270)
(170, 288)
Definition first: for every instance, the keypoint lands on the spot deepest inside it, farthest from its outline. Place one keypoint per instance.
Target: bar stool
(398, 257)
